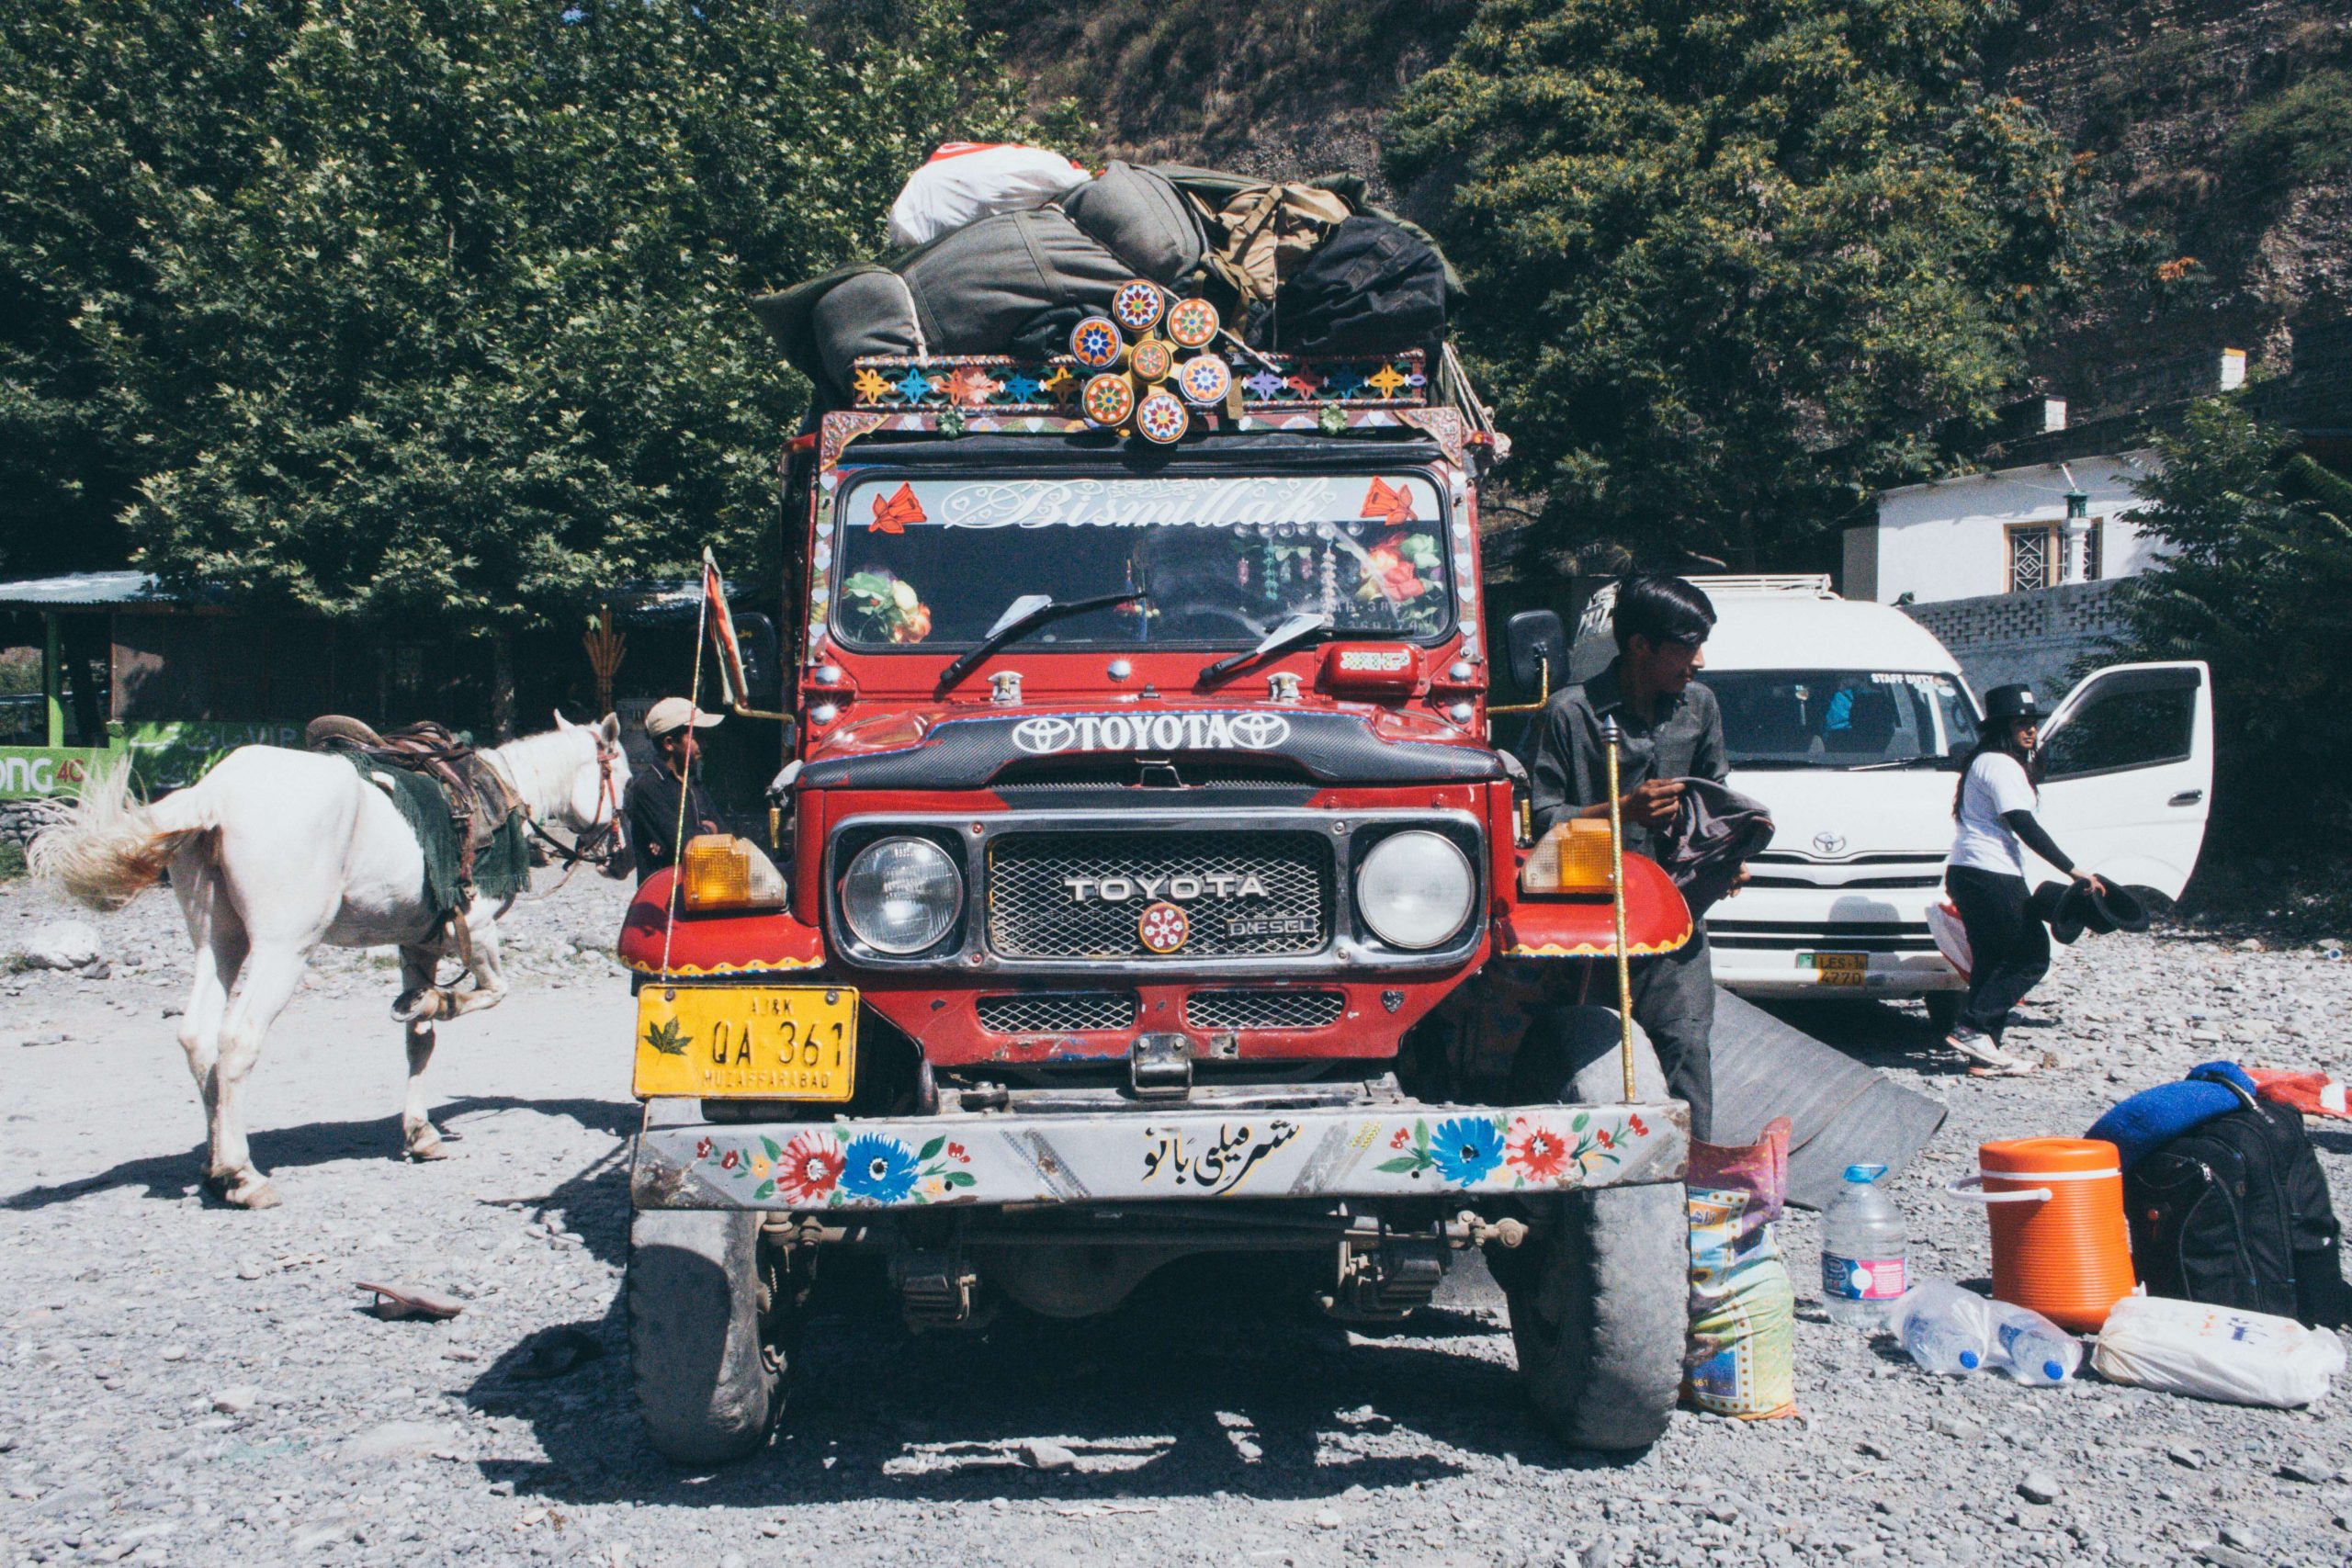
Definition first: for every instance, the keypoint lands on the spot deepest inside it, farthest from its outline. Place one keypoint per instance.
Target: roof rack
(1813, 584)
(1807, 584)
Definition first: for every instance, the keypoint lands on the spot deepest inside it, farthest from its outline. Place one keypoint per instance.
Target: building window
(2033, 557)
(2093, 563)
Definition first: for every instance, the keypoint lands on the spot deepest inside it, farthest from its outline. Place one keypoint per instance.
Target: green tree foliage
(2258, 581)
(1730, 263)
(431, 307)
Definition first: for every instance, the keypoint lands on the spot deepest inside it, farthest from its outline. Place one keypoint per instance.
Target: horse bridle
(600, 846)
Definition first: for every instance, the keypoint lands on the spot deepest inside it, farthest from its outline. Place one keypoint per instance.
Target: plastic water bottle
(1942, 1327)
(1864, 1255)
(2031, 1347)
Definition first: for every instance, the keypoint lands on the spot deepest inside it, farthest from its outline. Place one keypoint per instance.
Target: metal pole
(53, 682)
(1612, 736)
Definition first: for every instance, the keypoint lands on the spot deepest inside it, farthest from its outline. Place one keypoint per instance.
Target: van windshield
(1841, 719)
(935, 562)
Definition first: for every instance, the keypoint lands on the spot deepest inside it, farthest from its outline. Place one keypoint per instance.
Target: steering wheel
(1204, 611)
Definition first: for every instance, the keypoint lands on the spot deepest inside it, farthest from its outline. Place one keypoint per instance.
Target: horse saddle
(479, 802)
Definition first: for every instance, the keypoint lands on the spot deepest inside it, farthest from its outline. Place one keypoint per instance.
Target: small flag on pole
(735, 688)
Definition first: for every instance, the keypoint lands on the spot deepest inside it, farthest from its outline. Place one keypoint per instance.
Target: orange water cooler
(2060, 1246)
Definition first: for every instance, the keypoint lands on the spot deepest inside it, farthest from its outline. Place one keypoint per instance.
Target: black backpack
(2234, 1212)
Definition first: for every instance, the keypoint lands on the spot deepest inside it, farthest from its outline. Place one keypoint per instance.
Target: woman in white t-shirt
(1985, 875)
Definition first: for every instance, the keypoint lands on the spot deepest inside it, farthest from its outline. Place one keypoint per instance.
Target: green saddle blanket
(502, 867)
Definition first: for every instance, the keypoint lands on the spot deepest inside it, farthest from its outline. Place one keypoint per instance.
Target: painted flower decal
(1466, 1148)
(809, 1168)
(878, 1169)
(1637, 1127)
(1537, 1153)
(730, 1160)
(1400, 1138)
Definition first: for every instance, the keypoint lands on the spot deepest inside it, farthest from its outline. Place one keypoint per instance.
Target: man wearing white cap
(654, 793)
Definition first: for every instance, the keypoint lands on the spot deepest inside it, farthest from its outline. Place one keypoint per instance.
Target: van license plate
(1835, 968)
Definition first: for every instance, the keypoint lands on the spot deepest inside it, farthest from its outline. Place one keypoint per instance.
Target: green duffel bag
(1141, 218)
(971, 291)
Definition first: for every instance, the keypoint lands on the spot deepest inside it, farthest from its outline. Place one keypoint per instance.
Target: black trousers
(2008, 948)
(1674, 1001)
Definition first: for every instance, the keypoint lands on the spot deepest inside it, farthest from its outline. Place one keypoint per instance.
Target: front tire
(706, 1321)
(1600, 1310)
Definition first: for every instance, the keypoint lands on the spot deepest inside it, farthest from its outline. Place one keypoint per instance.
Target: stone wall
(2036, 638)
(20, 818)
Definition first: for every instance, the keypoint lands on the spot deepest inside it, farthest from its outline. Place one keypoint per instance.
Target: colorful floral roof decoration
(1161, 418)
(999, 384)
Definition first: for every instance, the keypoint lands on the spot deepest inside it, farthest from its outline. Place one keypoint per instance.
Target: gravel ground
(185, 1383)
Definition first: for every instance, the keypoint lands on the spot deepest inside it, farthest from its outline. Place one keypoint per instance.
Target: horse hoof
(418, 1007)
(428, 1148)
(249, 1190)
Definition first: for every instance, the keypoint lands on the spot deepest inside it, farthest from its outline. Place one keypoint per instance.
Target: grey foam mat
(1843, 1112)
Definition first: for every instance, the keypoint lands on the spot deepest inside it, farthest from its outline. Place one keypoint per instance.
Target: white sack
(965, 180)
(2244, 1357)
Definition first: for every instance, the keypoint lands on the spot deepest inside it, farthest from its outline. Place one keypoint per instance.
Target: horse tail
(109, 847)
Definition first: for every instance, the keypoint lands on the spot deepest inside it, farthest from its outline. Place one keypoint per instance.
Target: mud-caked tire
(1599, 1291)
(706, 1333)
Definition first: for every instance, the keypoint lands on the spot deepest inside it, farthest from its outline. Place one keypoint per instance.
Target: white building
(2008, 530)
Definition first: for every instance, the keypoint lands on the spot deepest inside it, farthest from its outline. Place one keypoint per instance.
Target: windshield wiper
(1902, 762)
(1296, 632)
(1022, 616)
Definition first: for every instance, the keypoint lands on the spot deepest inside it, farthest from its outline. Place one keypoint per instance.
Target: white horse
(274, 852)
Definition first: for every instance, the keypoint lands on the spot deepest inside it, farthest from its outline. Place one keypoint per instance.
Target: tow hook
(1159, 1066)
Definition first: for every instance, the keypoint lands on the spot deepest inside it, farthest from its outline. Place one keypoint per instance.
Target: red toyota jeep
(1149, 888)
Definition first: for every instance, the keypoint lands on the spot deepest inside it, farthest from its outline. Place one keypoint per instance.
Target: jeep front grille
(1243, 894)
(1264, 1009)
(1057, 1012)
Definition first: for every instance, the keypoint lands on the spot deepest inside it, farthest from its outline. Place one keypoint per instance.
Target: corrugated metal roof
(80, 588)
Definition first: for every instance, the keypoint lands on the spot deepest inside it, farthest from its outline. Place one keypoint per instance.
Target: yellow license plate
(1835, 968)
(748, 1041)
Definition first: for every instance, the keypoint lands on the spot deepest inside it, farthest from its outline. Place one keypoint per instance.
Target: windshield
(1840, 718)
(936, 562)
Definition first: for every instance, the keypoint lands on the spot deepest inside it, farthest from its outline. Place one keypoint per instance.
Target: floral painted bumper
(1407, 1151)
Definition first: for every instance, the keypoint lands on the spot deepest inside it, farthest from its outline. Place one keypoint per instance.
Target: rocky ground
(185, 1383)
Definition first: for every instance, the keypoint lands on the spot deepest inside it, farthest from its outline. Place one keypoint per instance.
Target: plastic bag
(2213, 1352)
(1741, 1355)
(965, 180)
(1951, 937)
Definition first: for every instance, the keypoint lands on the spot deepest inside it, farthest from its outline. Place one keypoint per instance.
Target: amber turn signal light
(1572, 858)
(719, 871)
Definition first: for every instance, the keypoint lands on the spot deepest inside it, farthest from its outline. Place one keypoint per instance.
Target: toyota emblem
(1044, 736)
(1258, 731)
(1830, 843)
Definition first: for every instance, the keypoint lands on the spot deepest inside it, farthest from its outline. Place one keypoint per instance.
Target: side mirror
(1533, 639)
(757, 635)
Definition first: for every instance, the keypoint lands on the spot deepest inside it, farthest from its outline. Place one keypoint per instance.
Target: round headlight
(1415, 889)
(901, 894)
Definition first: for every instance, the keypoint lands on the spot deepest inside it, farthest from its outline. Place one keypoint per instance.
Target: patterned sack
(1742, 1357)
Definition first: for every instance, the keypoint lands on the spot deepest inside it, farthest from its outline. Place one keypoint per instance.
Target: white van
(1847, 719)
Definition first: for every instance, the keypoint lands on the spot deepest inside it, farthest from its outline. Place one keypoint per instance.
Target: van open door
(2128, 774)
